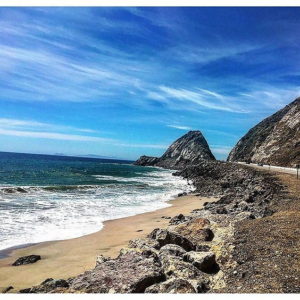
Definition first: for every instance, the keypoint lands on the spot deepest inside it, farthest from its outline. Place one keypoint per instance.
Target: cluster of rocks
(241, 189)
(172, 260)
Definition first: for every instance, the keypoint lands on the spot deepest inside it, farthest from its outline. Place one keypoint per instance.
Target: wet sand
(67, 258)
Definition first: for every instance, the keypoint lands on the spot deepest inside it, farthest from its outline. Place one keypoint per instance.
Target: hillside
(275, 140)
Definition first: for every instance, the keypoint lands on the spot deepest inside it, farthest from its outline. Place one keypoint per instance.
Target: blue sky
(122, 82)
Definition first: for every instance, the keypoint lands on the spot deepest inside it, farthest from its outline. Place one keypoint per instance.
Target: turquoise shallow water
(46, 197)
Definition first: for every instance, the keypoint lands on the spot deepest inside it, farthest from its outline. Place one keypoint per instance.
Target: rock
(171, 249)
(164, 237)
(7, 289)
(172, 286)
(25, 291)
(204, 261)
(182, 194)
(21, 190)
(101, 258)
(175, 267)
(275, 140)
(195, 230)
(131, 272)
(179, 219)
(144, 244)
(189, 149)
(146, 161)
(244, 216)
(24, 260)
(50, 285)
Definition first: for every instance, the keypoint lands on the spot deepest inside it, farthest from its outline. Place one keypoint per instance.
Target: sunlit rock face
(191, 148)
(275, 140)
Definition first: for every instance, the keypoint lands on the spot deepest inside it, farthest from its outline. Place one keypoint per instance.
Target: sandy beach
(67, 258)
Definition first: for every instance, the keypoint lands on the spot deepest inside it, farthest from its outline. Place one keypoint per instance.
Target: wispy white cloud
(268, 97)
(207, 54)
(34, 129)
(181, 127)
(31, 124)
(206, 99)
(52, 135)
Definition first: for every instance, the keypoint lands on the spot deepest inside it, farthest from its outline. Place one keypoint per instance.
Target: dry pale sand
(67, 258)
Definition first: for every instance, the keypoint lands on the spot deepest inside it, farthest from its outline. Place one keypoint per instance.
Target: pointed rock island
(188, 149)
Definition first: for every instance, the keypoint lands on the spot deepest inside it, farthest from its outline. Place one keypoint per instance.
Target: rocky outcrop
(240, 188)
(189, 149)
(275, 140)
(146, 161)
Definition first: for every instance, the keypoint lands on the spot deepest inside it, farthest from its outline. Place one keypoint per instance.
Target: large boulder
(131, 272)
(196, 230)
(176, 267)
(171, 249)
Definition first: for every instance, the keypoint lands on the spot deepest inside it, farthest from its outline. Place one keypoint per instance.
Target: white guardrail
(270, 167)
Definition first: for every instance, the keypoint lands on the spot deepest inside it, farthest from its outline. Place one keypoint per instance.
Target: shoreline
(67, 258)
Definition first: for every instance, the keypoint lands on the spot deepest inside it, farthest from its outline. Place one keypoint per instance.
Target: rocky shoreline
(197, 253)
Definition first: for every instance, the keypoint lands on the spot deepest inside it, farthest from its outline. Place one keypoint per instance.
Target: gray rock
(204, 261)
(172, 286)
(146, 161)
(101, 258)
(164, 237)
(131, 272)
(7, 289)
(24, 260)
(189, 149)
(171, 249)
(275, 140)
(144, 244)
(175, 267)
(178, 219)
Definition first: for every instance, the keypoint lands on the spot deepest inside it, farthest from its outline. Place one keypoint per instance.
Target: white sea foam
(47, 213)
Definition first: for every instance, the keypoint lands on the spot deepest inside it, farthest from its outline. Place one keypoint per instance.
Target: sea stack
(188, 149)
(275, 140)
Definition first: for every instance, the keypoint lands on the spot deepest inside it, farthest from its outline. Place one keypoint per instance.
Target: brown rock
(130, 272)
(195, 230)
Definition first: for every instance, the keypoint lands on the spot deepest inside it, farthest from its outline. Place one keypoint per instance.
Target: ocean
(47, 197)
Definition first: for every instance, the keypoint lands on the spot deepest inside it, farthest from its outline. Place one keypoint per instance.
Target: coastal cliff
(189, 149)
(275, 140)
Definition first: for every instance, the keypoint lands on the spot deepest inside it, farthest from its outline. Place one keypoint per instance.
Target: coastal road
(273, 168)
